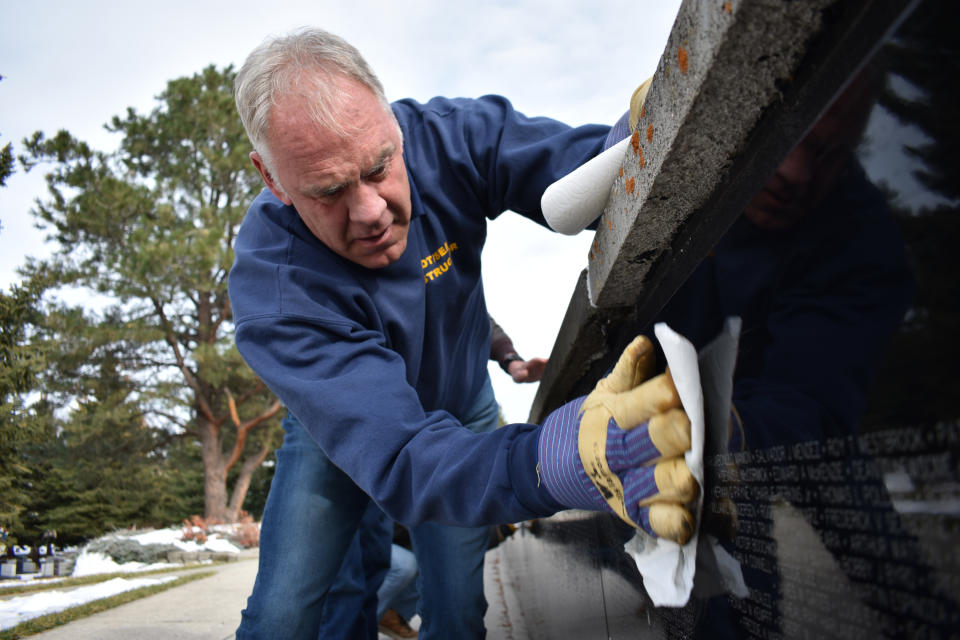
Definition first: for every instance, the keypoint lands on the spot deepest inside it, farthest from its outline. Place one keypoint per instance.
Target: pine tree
(101, 465)
(150, 228)
(22, 358)
(6, 163)
(921, 54)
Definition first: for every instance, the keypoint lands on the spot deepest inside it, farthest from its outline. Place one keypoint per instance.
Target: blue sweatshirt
(377, 363)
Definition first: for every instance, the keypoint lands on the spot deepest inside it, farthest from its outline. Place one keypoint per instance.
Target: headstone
(8, 569)
(837, 494)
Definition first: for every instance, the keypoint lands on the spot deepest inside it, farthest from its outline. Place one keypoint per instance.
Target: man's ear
(269, 180)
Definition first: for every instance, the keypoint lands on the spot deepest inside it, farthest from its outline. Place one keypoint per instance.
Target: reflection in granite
(840, 497)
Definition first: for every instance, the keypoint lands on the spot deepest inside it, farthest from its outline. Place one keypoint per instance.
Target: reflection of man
(357, 298)
(811, 171)
(816, 270)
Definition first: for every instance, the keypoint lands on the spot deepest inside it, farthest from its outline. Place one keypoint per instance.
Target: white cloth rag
(705, 384)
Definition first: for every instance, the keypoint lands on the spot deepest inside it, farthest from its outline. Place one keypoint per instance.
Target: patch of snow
(17, 609)
(21, 579)
(92, 562)
(214, 541)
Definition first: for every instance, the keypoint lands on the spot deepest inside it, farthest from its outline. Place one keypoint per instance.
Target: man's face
(809, 171)
(351, 192)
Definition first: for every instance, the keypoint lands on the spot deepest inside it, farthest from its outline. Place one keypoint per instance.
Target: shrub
(123, 550)
(196, 528)
(247, 533)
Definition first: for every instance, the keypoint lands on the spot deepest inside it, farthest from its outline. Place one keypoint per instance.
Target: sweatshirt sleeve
(504, 158)
(350, 393)
(501, 345)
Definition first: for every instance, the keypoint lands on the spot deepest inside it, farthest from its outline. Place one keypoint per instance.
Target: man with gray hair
(358, 300)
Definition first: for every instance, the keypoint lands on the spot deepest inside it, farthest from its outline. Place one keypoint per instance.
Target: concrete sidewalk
(209, 609)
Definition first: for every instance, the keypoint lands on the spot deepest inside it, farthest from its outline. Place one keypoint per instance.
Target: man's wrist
(510, 357)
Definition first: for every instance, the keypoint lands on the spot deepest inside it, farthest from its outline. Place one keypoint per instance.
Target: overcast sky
(74, 65)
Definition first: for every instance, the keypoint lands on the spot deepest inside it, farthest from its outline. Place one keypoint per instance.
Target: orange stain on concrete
(650, 133)
(683, 59)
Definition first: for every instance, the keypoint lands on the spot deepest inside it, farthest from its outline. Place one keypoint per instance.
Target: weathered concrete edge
(723, 67)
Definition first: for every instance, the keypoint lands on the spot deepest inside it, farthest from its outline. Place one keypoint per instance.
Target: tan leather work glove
(631, 433)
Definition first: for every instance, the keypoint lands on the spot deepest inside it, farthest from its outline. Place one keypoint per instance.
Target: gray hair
(306, 61)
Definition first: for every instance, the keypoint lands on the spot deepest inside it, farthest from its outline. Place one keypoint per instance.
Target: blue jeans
(351, 608)
(399, 588)
(312, 515)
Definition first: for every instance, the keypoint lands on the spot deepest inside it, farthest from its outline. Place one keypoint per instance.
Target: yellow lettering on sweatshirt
(439, 262)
